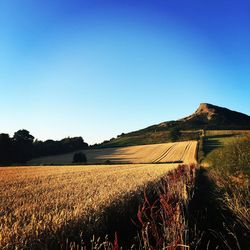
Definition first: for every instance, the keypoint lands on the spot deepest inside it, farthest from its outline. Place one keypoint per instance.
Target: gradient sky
(98, 68)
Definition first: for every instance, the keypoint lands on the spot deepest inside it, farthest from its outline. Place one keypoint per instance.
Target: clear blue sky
(98, 68)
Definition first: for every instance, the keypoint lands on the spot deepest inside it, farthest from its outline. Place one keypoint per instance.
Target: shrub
(174, 134)
(79, 157)
(162, 220)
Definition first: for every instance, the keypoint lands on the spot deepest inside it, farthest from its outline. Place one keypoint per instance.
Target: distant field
(37, 202)
(226, 132)
(155, 153)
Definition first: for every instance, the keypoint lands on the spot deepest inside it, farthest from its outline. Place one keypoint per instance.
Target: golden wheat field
(38, 199)
(154, 153)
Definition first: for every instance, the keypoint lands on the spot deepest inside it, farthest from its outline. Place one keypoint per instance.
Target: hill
(206, 117)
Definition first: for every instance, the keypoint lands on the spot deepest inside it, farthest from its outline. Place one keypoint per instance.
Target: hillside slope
(207, 117)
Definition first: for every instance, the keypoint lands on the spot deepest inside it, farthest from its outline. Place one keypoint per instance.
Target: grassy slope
(145, 138)
(221, 204)
(228, 159)
(153, 137)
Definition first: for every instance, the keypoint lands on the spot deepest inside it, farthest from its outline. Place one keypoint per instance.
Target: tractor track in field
(164, 154)
(185, 151)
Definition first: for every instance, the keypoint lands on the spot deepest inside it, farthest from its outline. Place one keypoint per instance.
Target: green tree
(23, 135)
(5, 149)
(23, 145)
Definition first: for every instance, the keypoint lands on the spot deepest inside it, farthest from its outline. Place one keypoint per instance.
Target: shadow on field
(212, 224)
(210, 145)
(213, 142)
(110, 154)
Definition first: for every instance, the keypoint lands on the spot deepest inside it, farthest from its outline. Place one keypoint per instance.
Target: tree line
(22, 147)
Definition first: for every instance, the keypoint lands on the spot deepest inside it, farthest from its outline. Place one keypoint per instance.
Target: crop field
(40, 201)
(155, 153)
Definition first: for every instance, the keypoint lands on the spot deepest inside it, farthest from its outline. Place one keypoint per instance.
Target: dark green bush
(79, 157)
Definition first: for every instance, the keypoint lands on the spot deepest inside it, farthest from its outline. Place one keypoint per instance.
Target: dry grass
(236, 195)
(38, 201)
(155, 153)
(164, 220)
